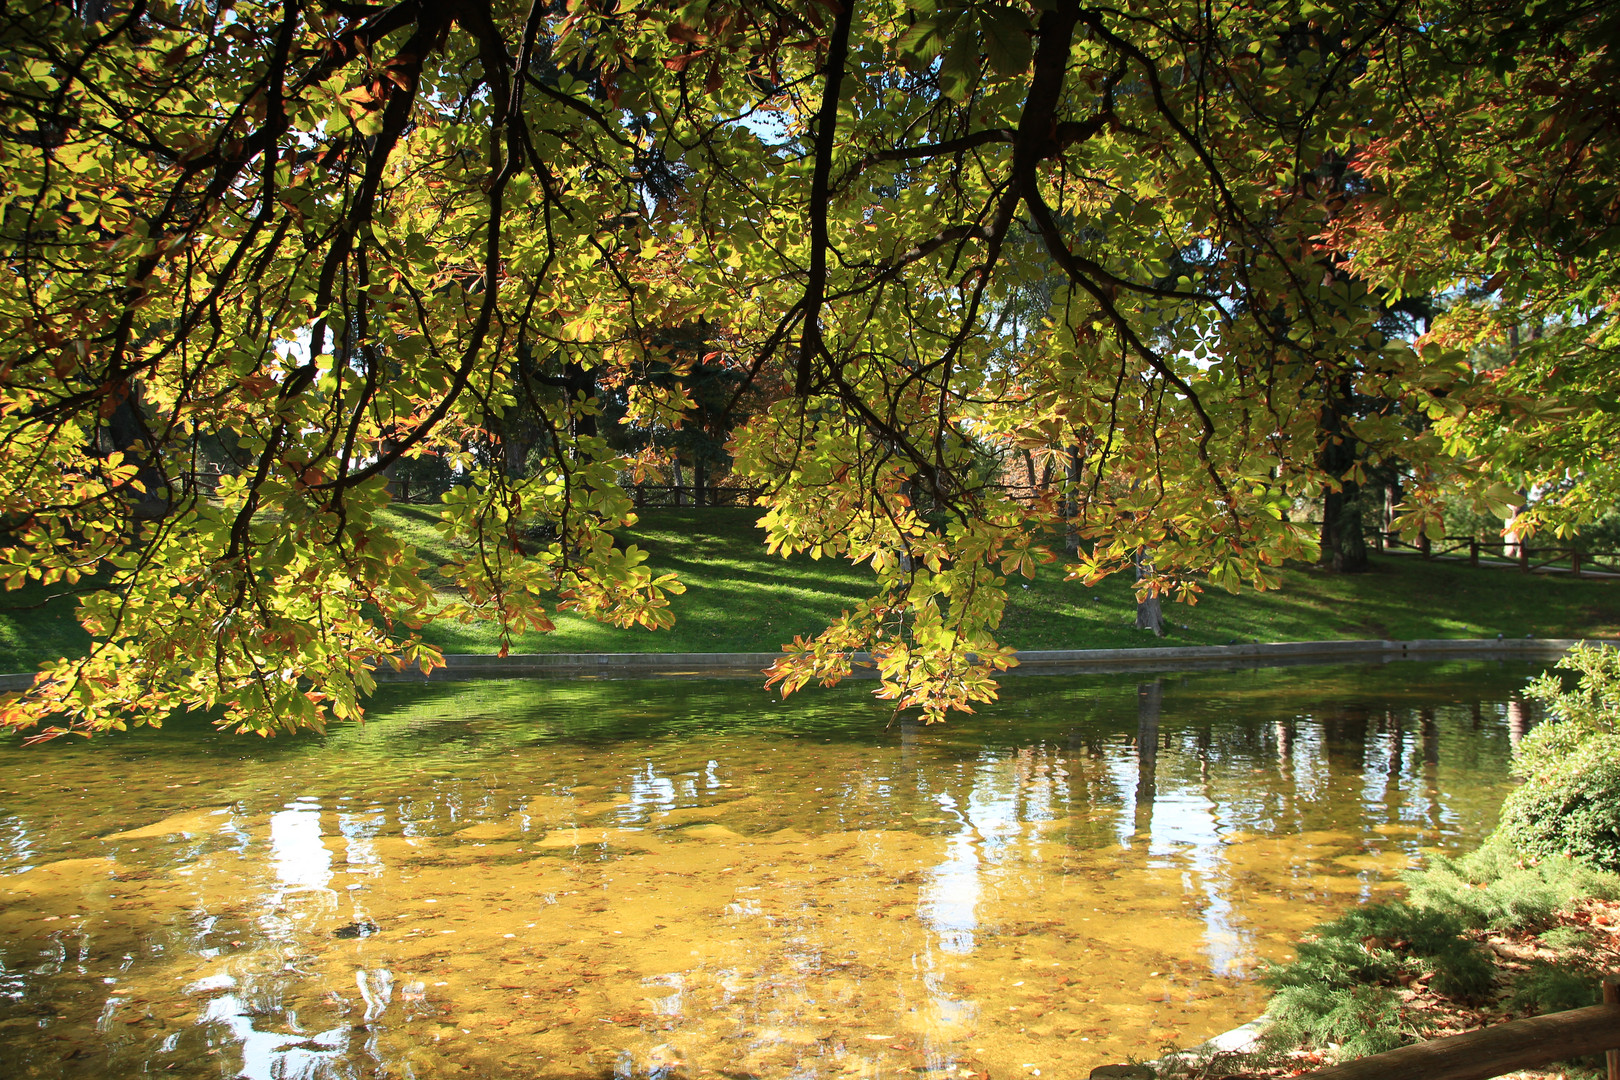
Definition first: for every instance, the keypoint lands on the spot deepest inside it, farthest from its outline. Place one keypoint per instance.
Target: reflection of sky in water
(302, 864)
(1310, 771)
(1010, 798)
(949, 898)
(359, 831)
(16, 843)
(1186, 832)
(1181, 828)
(274, 1055)
(650, 793)
(1120, 762)
(669, 1002)
(300, 860)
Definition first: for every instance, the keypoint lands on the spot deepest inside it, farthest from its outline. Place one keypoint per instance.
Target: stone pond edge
(459, 666)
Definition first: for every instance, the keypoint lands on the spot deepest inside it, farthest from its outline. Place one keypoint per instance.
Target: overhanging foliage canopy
(1153, 247)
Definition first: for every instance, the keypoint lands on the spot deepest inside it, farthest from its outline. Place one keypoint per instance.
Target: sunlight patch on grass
(742, 599)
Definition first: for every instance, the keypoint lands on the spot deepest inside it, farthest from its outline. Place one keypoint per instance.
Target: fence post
(1473, 553)
(1611, 996)
(1524, 557)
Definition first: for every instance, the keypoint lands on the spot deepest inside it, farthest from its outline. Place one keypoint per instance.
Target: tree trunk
(581, 383)
(125, 431)
(1071, 503)
(1512, 542)
(1344, 548)
(1149, 612)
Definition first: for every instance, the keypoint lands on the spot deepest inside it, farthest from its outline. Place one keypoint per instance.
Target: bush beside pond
(1569, 803)
(1527, 924)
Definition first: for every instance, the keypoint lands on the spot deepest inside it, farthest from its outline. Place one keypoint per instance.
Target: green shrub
(1550, 988)
(1569, 937)
(1335, 974)
(1558, 843)
(1569, 803)
(1594, 703)
(1493, 887)
(1359, 1020)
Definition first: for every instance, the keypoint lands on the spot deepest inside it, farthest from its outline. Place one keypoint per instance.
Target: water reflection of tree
(1429, 736)
(1345, 731)
(1519, 721)
(1149, 703)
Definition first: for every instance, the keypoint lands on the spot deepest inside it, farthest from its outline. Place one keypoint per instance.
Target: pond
(668, 877)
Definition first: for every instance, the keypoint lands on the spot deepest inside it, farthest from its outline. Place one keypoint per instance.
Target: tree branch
(820, 195)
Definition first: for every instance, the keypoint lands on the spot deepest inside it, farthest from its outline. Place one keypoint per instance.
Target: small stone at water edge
(1123, 1072)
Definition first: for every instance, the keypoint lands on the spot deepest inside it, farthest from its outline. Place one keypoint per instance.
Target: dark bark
(820, 196)
(1344, 547)
(126, 431)
(1071, 502)
(581, 384)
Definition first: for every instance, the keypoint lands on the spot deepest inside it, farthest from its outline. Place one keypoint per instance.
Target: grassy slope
(36, 625)
(739, 599)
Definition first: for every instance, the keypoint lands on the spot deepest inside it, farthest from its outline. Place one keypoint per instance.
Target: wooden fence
(1528, 556)
(1518, 1044)
(646, 495)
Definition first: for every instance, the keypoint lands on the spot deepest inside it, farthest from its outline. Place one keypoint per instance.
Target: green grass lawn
(739, 599)
(36, 625)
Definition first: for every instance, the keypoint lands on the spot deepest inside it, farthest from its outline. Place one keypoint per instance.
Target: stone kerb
(1035, 661)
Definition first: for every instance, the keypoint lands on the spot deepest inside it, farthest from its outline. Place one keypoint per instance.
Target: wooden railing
(1528, 556)
(1518, 1044)
(645, 495)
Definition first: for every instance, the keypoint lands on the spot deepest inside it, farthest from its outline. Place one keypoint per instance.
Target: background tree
(1493, 189)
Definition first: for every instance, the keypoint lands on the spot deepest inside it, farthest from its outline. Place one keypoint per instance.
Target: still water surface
(688, 878)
